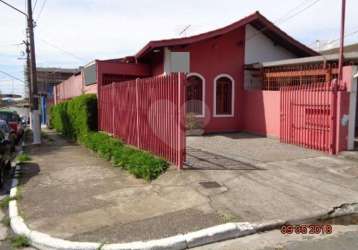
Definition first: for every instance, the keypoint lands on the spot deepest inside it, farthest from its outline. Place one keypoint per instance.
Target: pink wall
(342, 129)
(90, 89)
(343, 99)
(69, 88)
(262, 112)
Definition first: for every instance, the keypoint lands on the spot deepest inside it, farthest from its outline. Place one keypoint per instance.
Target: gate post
(333, 125)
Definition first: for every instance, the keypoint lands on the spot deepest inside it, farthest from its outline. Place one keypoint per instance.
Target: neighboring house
(47, 78)
(104, 71)
(347, 49)
(214, 63)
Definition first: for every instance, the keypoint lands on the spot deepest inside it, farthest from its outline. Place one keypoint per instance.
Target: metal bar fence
(308, 116)
(147, 113)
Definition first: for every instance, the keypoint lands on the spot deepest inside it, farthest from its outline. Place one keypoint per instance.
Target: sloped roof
(256, 19)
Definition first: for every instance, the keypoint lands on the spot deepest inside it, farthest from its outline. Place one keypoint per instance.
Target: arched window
(195, 94)
(223, 95)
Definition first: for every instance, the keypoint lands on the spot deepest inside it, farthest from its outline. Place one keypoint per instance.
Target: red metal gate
(147, 113)
(308, 116)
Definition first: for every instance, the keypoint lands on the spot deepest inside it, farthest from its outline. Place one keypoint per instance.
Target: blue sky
(71, 33)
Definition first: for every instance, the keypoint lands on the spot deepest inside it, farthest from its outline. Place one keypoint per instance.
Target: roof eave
(255, 16)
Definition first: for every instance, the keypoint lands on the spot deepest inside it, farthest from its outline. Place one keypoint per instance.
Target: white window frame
(202, 115)
(232, 96)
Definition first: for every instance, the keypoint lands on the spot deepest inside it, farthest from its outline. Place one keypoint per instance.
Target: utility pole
(341, 49)
(28, 69)
(34, 115)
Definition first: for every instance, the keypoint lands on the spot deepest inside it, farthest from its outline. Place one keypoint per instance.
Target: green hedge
(139, 163)
(77, 120)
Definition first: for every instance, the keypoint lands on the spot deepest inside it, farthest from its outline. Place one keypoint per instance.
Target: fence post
(112, 107)
(137, 110)
(181, 120)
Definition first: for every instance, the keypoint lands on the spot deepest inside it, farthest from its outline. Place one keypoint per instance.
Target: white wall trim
(202, 115)
(232, 95)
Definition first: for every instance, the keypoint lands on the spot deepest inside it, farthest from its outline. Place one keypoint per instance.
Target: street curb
(179, 242)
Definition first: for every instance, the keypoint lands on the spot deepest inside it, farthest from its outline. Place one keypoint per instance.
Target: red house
(215, 66)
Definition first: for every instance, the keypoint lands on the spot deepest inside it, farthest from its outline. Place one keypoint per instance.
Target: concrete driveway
(70, 193)
(278, 181)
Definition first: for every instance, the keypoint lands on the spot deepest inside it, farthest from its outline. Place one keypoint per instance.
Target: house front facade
(214, 64)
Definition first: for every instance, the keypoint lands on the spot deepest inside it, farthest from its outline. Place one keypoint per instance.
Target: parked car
(7, 148)
(14, 121)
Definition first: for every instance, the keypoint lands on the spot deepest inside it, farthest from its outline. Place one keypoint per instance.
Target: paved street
(342, 238)
(70, 193)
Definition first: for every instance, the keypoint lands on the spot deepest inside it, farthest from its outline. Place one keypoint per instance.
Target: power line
(336, 39)
(293, 9)
(282, 20)
(42, 8)
(12, 76)
(13, 7)
(62, 50)
(33, 9)
(346, 35)
(299, 12)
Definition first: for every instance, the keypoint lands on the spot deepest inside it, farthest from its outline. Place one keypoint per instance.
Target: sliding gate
(308, 116)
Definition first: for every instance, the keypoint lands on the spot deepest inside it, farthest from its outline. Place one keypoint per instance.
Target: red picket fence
(308, 116)
(147, 113)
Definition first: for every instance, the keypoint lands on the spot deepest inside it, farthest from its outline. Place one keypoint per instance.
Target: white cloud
(93, 29)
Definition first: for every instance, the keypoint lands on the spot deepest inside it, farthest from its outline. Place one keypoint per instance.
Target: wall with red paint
(262, 113)
(210, 58)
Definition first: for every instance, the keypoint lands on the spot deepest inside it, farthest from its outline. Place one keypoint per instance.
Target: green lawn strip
(77, 120)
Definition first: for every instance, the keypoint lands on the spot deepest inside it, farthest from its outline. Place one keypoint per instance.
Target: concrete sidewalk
(69, 192)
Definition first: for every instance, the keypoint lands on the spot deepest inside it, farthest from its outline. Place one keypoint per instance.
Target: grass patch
(21, 158)
(19, 241)
(4, 203)
(100, 246)
(228, 217)
(6, 221)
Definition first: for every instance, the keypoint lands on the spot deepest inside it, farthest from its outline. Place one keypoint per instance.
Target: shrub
(143, 165)
(77, 120)
(139, 163)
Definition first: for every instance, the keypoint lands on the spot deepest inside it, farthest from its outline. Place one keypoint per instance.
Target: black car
(6, 153)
